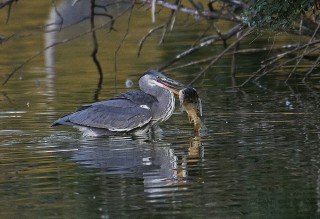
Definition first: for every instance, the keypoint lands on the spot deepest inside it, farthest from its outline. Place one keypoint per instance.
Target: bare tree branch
(305, 50)
(237, 52)
(275, 59)
(6, 3)
(191, 11)
(95, 50)
(201, 45)
(120, 45)
(313, 67)
(28, 60)
(222, 54)
(146, 36)
(170, 22)
(9, 4)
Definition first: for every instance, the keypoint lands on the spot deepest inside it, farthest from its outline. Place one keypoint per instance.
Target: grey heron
(134, 111)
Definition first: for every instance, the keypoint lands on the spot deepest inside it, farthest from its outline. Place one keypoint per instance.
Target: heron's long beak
(171, 85)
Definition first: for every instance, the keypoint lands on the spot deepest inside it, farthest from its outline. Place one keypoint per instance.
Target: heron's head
(152, 78)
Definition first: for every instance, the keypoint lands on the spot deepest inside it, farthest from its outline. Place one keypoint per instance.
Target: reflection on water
(155, 162)
(254, 162)
(161, 169)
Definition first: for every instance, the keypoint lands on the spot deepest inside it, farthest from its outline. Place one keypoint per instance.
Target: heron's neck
(165, 106)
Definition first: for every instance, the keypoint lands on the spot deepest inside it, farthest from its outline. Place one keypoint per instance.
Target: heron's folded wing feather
(113, 118)
(137, 97)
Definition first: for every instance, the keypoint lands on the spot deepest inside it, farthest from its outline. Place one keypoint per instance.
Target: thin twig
(39, 53)
(210, 14)
(201, 36)
(9, 13)
(234, 62)
(278, 57)
(95, 50)
(120, 45)
(9, 4)
(58, 43)
(201, 45)
(221, 54)
(170, 22)
(315, 65)
(209, 21)
(141, 43)
(299, 60)
(242, 51)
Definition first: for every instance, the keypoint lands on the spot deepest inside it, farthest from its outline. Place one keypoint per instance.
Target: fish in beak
(191, 103)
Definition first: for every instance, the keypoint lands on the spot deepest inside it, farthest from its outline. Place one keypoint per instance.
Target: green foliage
(275, 14)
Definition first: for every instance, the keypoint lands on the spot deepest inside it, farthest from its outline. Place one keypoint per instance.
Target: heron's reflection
(158, 163)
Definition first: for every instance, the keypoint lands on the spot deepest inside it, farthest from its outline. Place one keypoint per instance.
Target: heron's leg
(156, 133)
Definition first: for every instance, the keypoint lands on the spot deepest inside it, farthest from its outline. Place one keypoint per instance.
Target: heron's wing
(123, 112)
(129, 98)
(138, 97)
(115, 115)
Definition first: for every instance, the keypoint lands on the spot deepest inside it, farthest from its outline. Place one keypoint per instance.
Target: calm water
(259, 159)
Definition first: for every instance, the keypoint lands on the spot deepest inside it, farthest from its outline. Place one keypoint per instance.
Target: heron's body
(131, 112)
